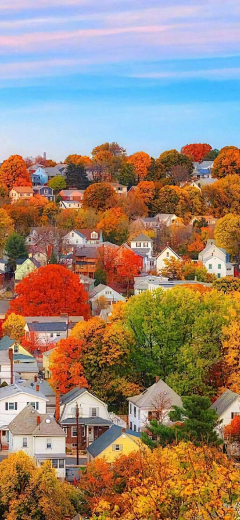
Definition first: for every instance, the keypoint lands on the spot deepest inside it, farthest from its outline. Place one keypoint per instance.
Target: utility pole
(77, 416)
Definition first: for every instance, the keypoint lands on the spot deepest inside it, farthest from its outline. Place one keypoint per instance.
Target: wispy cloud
(218, 74)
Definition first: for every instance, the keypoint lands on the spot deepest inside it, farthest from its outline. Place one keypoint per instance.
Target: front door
(90, 434)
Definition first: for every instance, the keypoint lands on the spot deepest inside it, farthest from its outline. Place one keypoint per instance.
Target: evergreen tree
(15, 248)
(53, 258)
(76, 177)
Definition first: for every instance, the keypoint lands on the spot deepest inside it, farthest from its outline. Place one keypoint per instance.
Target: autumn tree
(172, 199)
(30, 492)
(231, 351)
(57, 183)
(172, 269)
(76, 177)
(50, 291)
(113, 148)
(99, 196)
(223, 196)
(211, 156)
(13, 172)
(172, 158)
(133, 206)
(66, 363)
(146, 191)
(197, 151)
(127, 266)
(141, 161)
(157, 171)
(13, 326)
(106, 350)
(6, 227)
(227, 162)
(114, 225)
(227, 233)
(180, 174)
(23, 216)
(66, 219)
(180, 482)
(78, 160)
(227, 284)
(15, 248)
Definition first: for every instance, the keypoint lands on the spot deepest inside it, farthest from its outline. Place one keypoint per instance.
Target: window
(138, 244)
(94, 234)
(34, 405)
(117, 447)
(51, 335)
(130, 425)
(233, 414)
(167, 254)
(135, 411)
(15, 349)
(61, 463)
(219, 266)
(74, 445)
(135, 428)
(24, 442)
(72, 234)
(210, 266)
(219, 275)
(74, 431)
(65, 430)
(10, 406)
(49, 444)
(145, 244)
(94, 412)
(130, 407)
(54, 463)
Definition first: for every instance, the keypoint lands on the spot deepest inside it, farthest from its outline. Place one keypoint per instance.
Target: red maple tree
(197, 151)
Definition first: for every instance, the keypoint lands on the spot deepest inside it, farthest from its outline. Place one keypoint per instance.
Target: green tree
(15, 248)
(227, 284)
(57, 183)
(126, 175)
(211, 156)
(199, 420)
(53, 258)
(76, 177)
(172, 158)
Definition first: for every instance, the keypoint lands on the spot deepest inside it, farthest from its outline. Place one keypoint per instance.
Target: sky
(150, 74)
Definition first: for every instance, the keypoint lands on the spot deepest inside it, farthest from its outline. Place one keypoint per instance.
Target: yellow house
(20, 354)
(24, 267)
(114, 442)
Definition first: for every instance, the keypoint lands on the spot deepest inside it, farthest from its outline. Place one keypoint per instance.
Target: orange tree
(227, 162)
(66, 365)
(13, 172)
(197, 151)
(50, 291)
(141, 162)
(114, 225)
(99, 196)
(179, 482)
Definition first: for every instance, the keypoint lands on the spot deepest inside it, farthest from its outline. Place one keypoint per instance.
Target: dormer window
(94, 234)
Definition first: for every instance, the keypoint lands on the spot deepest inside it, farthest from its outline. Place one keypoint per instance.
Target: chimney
(57, 410)
(38, 420)
(157, 379)
(35, 379)
(123, 430)
(44, 155)
(37, 388)
(10, 353)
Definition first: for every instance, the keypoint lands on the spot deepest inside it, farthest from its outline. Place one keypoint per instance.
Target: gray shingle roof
(44, 387)
(10, 390)
(6, 342)
(90, 421)
(30, 368)
(146, 238)
(224, 401)
(97, 290)
(4, 357)
(108, 438)
(48, 327)
(25, 423)
(72, 394)
(146, 399)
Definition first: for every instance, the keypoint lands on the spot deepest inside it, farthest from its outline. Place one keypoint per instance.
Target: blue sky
(151, 75)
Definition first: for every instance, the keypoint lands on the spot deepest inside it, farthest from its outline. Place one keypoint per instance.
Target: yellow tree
(14, 326)
(172, 269)
(227, 233)
(231, 350)
(227, 162)
(6, 227)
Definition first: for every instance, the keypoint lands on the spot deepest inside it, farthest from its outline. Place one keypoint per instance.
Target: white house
(6, 368)
(13, 399)
(142, 244)
(120, 189)
(74, 238)
(155, 402)
(216, 260)
(70, 204)
(40, 437)
(226, 406)
(107, 292)
(47, 330)
(167, 219)
(166, 254)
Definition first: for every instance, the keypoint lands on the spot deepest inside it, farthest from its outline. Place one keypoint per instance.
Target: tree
(114, 225)
(133, 206)
(231, 351)
(227, 162)
(146, 191)
(127, 266)
(211, 156)
(76, 177)
(23, 216)
(199, 421)
(175, 482)
(99, 196)
(227, 233)
(53, 258)
(13, 326)
(196, 151)
(179, 173)
(172, 269)
(66, 363)
(172, 199)
(141, 161)
(78, 160)
(6, 227)
(223, 196)
(106, 350)
(15, 247)
(57, 183)
(114, 148)
(66, 219)
(13, 172)
(30, 492)
(172, 158)
(126, 174)
(156, 171)
(50, 291)
(227, 284)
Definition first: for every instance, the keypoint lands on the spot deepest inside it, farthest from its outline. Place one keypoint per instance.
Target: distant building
(166, 254)
(24, 266)
(120, 189)
(20, 193)
(216, 260)
(39, 177)
(142, 243)
(114, 442)
(44, 191)
(166, 218)
(105, 291)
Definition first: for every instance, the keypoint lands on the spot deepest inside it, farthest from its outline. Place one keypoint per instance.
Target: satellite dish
(48, 421)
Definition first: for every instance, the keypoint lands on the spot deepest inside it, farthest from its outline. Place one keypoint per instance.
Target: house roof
(168, 247)
(4, 306)
(48, 327)
(224, 401)
(160, 388)
(49, 352)
(64, 318)
(44, 387)
(87, 252)
(25, 423)
(4, 357)
(107, 438)
(87, 233)
(71, 395)
(142, 237)
(10, 390)
(91, 421)
(26, 367)
(23, 189)
(6, 342)
(141, 251)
